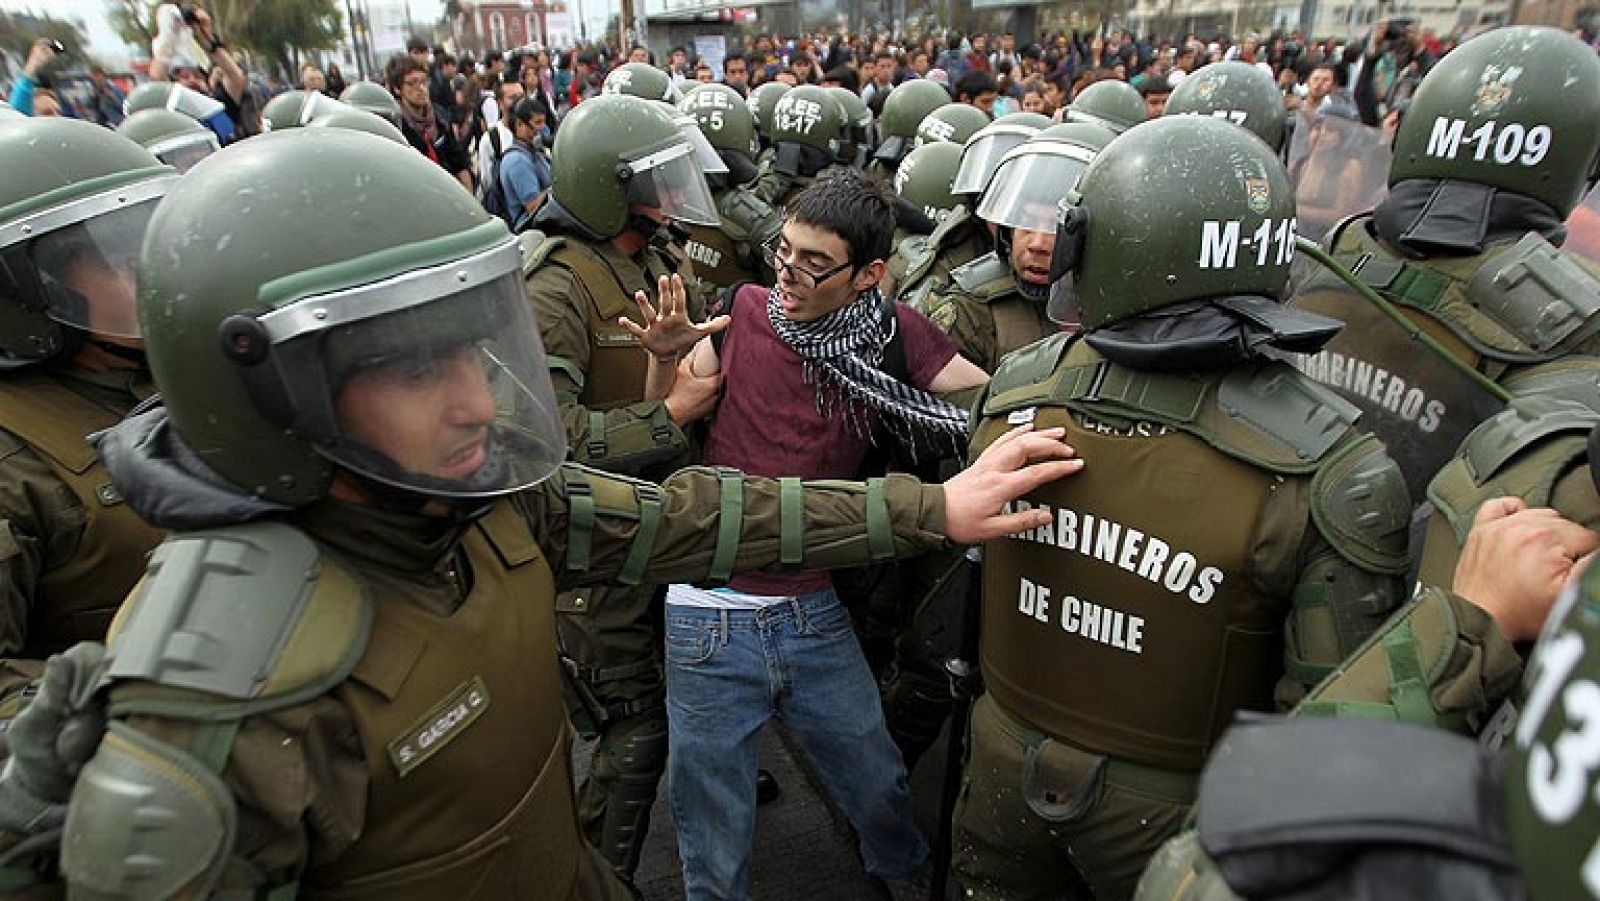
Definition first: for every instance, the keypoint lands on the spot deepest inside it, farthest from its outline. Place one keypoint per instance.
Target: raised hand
(667, 331)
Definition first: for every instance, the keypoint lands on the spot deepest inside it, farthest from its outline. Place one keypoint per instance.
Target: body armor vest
(467, 742)
(1014, 320)
(958, 239)
(1132, 625)
(75, 601)
(605, 290)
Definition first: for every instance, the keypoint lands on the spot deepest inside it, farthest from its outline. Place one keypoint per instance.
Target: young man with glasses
(425, 124)
(804, 392)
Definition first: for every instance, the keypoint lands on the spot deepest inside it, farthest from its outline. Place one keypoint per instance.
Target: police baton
(965, 683)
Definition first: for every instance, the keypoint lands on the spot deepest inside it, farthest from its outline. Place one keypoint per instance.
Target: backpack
(494, 195)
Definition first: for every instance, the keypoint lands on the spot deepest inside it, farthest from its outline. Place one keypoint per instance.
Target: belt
(1177, 786)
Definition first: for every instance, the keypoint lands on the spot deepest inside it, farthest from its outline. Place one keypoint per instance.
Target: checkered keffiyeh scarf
(842, 352)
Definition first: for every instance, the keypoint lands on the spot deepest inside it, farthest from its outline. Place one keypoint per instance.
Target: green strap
(645, 538)
(730, 524)
(880, 534)
(1363, 709)
(562, 364)
(596, 442)
(212, 743)
(1407, 689)
(580, 519)
(791, 522)
(1419, 287)
(1306, 673)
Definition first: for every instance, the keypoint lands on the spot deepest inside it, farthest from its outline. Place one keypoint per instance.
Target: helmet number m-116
(1514, 143)
(1272, 241)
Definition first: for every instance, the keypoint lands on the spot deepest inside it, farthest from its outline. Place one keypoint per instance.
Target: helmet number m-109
(1513, 143)
(1272, 241)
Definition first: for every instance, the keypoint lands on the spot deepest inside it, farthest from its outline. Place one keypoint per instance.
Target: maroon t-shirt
(767, 422)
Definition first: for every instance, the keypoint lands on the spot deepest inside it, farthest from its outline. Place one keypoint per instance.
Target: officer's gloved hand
(51, 740)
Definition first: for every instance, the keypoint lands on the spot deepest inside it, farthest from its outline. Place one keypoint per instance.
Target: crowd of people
(966, 404)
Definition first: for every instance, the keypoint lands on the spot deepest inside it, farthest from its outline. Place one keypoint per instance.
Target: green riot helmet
(1110, 104)
(705, 154)
(339, 115)
(641, 80)
(74, 202)
(399, 347)
(1239, 92)
(293, 109)
(953, 122)
(375, 99)
(1184, 210)
(725, 121)
(617, 150)
(807, 129)
(1028, 186)
(762, 101)
(903, 110)
(1551, 809)
(1516, 109)
(985, 149)
(926, 178)
(172, 96)
(857, 144)
(174, 138)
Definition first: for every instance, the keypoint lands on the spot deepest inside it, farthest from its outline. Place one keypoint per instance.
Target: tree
(18, 31)
(282, 29)
(134, 21)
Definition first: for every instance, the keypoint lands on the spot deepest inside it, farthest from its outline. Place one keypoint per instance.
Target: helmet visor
(672, 180)
(705, 153)
(86, 268)
(983, 156)
(182, 152)
(445, 395)
(1029, 184)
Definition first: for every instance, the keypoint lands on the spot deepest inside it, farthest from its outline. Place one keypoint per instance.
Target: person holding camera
(225, 80)
(30, 96)
(1391, 69)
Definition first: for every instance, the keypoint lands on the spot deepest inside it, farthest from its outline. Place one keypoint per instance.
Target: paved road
(800, 854)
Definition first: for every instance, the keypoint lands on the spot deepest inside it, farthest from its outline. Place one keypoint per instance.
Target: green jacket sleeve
(1440, 662)
(705, 524)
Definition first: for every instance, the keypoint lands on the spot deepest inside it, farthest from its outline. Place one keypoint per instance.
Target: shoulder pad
(1524, 423)
(918, 252)
(1276, 400)
(253, 612)
(752, 218)
(1360, 504)
(948, 231)
(1023, 377)
(1538, 294)
(146, 820)
(983, 278)
(536, 248)
(1571, 378)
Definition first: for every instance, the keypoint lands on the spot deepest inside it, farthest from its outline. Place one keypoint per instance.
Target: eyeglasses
(414, 82)
(807, 279)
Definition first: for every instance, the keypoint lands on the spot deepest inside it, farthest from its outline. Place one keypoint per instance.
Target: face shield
(672, 180)
(705, 153)
(1030, 182)
(76, 262)
(983, 155)
(183, 151)
(434, 381)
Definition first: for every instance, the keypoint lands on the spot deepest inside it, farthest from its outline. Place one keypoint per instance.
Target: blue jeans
(728, 672)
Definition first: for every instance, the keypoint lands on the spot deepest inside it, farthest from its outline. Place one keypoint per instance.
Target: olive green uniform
(398, 730)
(1215, 545)
(924, 262)
(731, 254)
(69, 548)
(1522, 313)
(1442, 662)
(985, 314)
(610, 636)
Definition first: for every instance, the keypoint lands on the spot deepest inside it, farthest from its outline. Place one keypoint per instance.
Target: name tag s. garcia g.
(439, 726)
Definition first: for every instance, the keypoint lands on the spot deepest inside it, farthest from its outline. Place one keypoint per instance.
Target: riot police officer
(856, 148)
(996, 303)
(1488, 161)
(926, 180)
(903, 110)
(293, 109)
(954, 122)
(1235, 530)
(1109, 104)
(808, 137)
(374, 99)
(74, 202)
(731, 253)
(622, 173)
(1237, 92)
(921, 264)
(339, 677)
(174, 139)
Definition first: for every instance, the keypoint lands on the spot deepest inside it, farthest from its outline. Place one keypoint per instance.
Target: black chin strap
(122, 352)
(1442, 218)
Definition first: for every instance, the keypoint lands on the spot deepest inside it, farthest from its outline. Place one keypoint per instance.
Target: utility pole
(355, 41)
